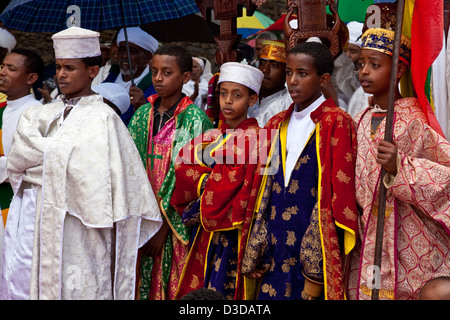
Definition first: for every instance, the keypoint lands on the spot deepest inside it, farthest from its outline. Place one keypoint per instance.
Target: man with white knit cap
(354, 41)
(142, 46)
(197, 87)
(82, 204)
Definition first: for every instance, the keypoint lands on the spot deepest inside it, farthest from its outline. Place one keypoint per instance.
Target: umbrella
(276, 27)
(56, 15)
(247, 25)
(190, 28)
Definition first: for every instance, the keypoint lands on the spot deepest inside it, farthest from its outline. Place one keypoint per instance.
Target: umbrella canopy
(190, 28)
(247, 25)
(276, 27)
(56, 15)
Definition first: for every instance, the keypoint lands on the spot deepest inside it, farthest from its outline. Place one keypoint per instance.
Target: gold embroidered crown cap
(273, 50)
(244, 74)
(383, 40)
(76, 42)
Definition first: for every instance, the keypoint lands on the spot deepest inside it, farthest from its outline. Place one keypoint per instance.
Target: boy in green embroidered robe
(160, 129)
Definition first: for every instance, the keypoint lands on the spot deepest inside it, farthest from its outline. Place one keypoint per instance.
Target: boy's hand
(137, 97)
(387, 156)
(255, 274)
(155, 245)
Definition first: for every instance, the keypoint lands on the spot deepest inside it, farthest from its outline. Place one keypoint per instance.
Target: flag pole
(387, 137)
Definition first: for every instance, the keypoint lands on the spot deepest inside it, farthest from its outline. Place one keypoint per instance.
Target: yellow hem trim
(283, 139)
(196, 159)
(319, 197)
(207, 253)
(266, 169)
(224, 140)
(199, 186)
(349, 238)
(2, 152)
(4, 216)
(236, 225)
(164, 214)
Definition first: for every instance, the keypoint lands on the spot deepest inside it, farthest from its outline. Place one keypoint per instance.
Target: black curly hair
(323, 59)
(184, 58)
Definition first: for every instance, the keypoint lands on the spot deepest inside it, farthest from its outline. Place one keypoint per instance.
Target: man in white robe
(83, 204)
(21, 69)
(197, 87)
(16, 81)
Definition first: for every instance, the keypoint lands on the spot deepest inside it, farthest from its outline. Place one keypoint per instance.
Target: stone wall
(42, 43)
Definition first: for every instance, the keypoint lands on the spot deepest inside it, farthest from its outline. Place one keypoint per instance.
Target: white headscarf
(200, 62)
(140, 38)
(7, 40)
(115, 93)
(355, 32)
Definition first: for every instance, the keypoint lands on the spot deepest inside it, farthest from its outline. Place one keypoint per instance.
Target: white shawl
(88, 167)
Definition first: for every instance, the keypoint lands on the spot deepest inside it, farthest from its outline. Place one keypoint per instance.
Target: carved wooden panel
(312, 22)
(227, 11)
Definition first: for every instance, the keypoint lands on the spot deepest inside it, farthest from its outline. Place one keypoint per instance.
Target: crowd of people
(148, 177)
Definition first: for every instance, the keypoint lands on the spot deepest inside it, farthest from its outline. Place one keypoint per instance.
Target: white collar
(313, 106)
(20, 102)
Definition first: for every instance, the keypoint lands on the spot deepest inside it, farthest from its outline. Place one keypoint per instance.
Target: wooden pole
(388, 137)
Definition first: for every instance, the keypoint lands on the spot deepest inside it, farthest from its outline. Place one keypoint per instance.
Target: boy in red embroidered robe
(160, 129)
(305, 222)
(215, 177)
(416, 239)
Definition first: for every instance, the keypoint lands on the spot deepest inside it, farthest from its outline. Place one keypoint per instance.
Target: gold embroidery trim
(384, 293)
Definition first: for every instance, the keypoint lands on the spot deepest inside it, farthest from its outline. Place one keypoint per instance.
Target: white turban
(7, 40)
(355, 32)
(140, 38)
(115, 93)
(244, 74)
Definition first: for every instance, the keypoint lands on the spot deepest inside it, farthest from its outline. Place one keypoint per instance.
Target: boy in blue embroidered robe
(306, 206)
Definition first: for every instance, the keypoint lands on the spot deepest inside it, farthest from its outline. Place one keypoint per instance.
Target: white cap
(76, 42)
(115, 93)
(244, 74)
(293, 24)
(7, 40)
(314, 39)
(138, 37)
(355, 32)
